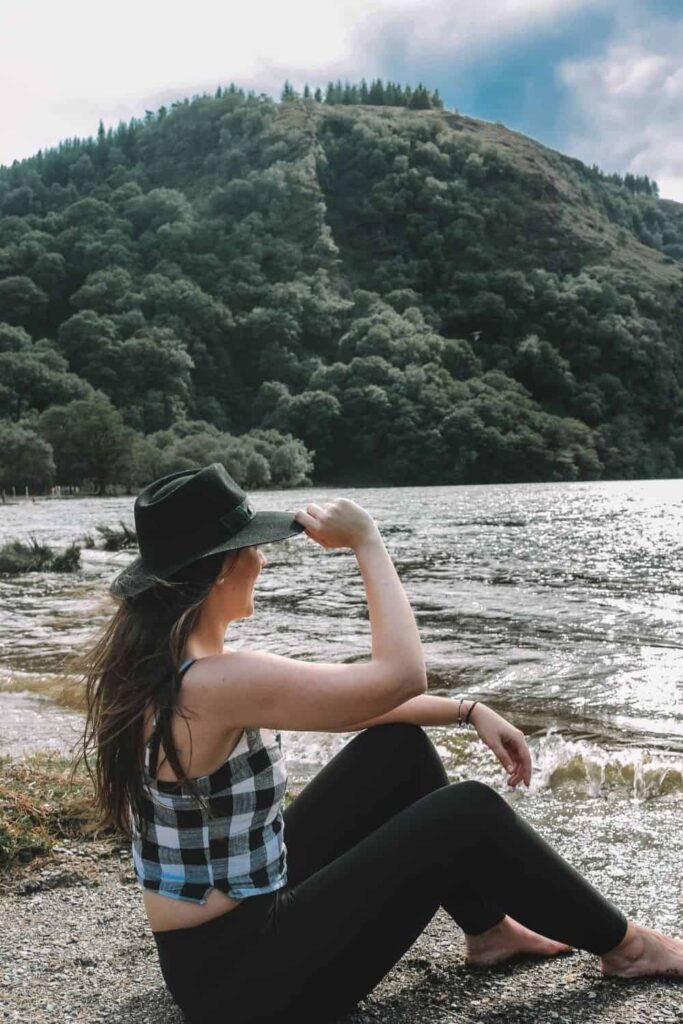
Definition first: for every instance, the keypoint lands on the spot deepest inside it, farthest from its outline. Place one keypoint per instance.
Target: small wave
(577, 768)
(488, 522)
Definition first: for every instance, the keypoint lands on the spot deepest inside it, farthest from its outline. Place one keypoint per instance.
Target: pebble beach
(75, 947)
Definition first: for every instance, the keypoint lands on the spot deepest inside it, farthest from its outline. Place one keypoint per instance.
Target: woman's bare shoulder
(216, 669)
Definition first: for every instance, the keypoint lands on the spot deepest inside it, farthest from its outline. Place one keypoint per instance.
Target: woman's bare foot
(506, 939)
(643, 952)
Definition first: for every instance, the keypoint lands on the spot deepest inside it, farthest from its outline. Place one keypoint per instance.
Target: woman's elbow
(416, 682)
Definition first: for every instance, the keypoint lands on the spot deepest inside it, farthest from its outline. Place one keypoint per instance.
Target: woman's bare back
(211, 745)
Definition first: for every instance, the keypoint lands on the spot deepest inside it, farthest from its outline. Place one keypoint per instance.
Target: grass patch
(113, 538)
(17, 556)
(39, 806)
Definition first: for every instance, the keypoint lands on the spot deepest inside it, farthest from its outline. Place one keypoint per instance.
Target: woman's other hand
(507, 743)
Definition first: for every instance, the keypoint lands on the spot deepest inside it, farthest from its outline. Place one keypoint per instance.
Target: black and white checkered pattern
(235, 844)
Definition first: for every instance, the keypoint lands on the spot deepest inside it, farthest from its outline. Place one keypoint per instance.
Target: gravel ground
(75, 947)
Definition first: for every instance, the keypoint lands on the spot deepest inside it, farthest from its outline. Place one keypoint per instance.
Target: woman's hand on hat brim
(341, 523)
(311, 518)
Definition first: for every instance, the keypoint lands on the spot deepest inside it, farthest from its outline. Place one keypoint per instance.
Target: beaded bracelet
(461, 721)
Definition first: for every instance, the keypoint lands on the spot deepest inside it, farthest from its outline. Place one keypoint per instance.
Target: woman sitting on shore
(261, 914)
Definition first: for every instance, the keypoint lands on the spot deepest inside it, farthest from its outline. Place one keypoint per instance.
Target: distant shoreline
(361, 485)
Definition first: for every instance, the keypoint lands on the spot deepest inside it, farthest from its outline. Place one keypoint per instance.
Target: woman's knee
(398, 736)
(478, 799)
(472, 789)
(406, 745)
(459, 813)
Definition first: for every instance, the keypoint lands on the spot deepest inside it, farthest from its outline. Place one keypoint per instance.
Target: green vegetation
(377, 94)
(32, 556)
(113, 538)
(349, 286)
(40, 804)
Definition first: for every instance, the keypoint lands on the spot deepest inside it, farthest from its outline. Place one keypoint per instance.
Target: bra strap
(153, 752)
(155, 740)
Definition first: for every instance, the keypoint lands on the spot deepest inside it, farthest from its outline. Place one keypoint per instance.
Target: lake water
(558, 604)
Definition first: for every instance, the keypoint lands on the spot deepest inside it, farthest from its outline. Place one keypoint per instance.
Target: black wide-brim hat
(189, 515)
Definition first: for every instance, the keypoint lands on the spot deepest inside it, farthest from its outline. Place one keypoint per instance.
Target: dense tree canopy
(352, 284)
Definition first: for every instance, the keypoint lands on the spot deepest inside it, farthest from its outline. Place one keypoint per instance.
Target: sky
(600, 80)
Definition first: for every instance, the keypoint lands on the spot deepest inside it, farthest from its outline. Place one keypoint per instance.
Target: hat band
(238, 517)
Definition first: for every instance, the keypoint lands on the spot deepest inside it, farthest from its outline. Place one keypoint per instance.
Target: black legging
(376, 842)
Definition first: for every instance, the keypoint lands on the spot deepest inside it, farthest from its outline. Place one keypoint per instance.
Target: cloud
(63, 67)
(82, 64)
(464, 30)
(627, 104)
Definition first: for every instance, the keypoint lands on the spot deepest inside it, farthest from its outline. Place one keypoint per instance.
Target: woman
(261, 915)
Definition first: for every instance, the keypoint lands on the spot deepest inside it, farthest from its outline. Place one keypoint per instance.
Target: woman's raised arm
(257, 688)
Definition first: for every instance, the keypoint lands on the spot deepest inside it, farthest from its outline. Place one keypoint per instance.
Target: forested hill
(416, 295)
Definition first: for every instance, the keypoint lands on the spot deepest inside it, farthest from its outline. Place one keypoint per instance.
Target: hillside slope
(418, 295)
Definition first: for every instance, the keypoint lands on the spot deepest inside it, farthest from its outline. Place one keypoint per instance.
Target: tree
(290, 462)
(289, 93)
(25, 458)
(156, 207)
(543, 372)
(400, 338)
(14, 339)
(21, 300)
(376, 93)
(312, 416)
(420, 99)
(34, 378)
(107, 291)
(89, 439)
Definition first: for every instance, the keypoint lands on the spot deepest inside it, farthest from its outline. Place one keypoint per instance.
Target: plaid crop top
(235, 843)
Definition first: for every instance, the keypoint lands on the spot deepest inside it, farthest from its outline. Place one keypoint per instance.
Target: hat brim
(263, 528)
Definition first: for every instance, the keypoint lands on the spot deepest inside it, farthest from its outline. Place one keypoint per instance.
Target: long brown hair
(134, 663)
